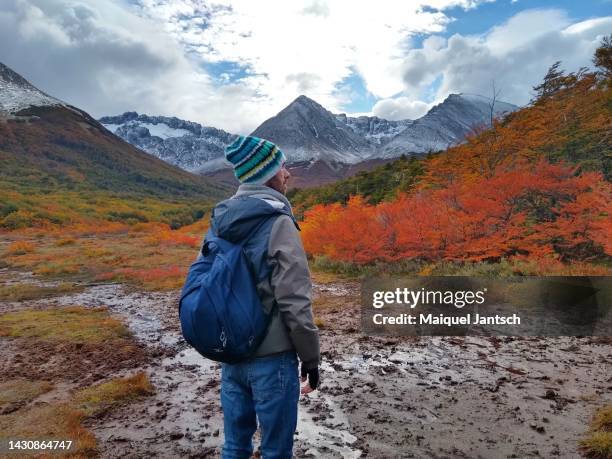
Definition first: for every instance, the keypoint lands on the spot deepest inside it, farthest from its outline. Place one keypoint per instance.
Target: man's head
(258, 161)
(280, 181)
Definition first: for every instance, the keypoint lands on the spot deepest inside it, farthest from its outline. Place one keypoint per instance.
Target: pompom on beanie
(255, 160)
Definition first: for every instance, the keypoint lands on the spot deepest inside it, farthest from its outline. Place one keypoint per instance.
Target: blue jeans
(266, 389)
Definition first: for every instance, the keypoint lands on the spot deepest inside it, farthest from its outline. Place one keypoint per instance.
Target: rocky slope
(306, 131)
(16, 93)
(444, 125)
(185, 144)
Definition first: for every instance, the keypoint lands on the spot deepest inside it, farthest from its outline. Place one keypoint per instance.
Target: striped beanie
(255, 160)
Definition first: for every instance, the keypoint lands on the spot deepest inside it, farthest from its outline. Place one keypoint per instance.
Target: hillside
(54, 157)
(61, 147)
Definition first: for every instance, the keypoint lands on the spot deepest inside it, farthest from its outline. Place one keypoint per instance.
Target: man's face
(280, 181)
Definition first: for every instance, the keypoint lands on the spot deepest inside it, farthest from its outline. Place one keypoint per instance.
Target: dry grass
(64, 421)
(16, 392)
(329, 302)
(598, 442)
(65, 241)
(325, 277)
(100, 398)
(58, 421)
(148, 255)
(19, 248)
(26, 291)
(67, 330)
(71, 324)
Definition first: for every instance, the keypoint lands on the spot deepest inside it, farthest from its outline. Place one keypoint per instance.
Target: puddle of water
(329, 437)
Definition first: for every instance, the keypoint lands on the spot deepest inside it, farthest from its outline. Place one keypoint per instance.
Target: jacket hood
(236, 218)
(262, 191)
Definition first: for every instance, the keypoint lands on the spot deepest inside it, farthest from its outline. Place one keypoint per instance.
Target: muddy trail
(379, 397)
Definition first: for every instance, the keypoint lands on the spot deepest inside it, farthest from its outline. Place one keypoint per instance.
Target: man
(266, 388)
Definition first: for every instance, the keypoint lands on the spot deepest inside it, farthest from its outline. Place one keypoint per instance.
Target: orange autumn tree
(352, 233)
(584, 223)
(530, 210)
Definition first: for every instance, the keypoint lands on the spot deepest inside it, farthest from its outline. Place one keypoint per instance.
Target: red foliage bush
(530, 210)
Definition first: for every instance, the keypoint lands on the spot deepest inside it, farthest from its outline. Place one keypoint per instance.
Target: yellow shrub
(65, 241)
(19, 248)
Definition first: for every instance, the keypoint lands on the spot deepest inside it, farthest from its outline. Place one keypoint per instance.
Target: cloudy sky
(234, 63)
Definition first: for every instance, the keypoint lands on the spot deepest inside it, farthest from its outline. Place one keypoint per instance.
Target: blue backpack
(220, 311)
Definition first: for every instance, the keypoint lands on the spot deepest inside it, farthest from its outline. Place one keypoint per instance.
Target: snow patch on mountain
(164, 131)
(16, 93)
(374, 129)
(111, 127)
(185, 144)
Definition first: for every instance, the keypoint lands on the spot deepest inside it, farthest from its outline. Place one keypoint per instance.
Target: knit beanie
(255, 160)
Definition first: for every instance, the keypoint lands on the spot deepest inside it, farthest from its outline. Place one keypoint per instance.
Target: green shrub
(18, 219)
(8, 208)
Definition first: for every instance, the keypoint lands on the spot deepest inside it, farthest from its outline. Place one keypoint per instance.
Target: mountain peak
(8, 75)
(17, 93)
(306, 130)
(185, 144)
(479, 100)
(303, 101)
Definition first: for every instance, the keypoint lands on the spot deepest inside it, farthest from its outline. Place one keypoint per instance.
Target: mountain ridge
(307, 132)
(185, 144)
(18, 93)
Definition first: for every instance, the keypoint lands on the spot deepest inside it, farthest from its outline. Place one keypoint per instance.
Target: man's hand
(313, 379)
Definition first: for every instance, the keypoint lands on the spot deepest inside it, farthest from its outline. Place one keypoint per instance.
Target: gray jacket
(276, 254)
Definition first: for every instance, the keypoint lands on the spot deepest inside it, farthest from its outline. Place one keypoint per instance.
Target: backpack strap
(224, 245)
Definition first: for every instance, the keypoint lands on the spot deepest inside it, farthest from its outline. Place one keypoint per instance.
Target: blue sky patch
(479, 20)
(226, 71)
(360, 99)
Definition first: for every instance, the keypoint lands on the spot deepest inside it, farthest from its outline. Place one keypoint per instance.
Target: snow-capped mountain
(16, 93)
(185, 144)
(446, 124)
(309, 135)
(306, 131)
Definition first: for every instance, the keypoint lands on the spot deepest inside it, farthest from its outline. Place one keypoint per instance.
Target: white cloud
(286, 43)
(150, 55)
(105, 59)
(434, 42)
(524, 28)
(400, 108)
(515, 55)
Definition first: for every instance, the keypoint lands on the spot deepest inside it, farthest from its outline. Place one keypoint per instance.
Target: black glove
(313, 375)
